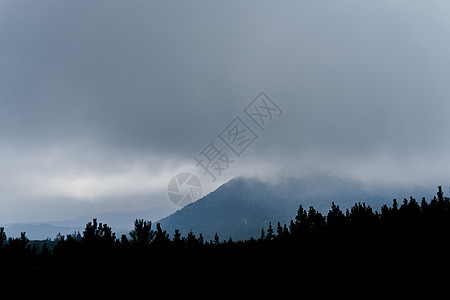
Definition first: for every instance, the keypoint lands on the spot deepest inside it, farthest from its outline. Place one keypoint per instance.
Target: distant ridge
(121, 223)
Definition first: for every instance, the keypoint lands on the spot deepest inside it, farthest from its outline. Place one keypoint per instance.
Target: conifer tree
(216, 239)
(142, 235)
(177, 241)
(269, 235)
(279, 230)
(335, 217)
(2, 236)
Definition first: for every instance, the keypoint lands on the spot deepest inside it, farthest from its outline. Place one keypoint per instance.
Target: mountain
(241, 207)
(237, 209)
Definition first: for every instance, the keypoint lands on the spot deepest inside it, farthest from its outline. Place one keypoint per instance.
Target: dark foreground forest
(403, 245)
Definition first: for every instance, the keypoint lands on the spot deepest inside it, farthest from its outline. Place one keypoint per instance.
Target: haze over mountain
(121, 223)
(103, 102)
(128, 109)
(241, 207)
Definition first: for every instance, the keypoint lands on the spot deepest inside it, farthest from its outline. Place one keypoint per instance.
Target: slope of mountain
(237, 209)
(241, 207)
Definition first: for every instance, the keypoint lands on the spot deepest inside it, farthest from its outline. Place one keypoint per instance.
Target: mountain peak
(242, 206)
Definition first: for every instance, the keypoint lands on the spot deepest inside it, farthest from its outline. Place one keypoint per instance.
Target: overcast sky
(103, 102)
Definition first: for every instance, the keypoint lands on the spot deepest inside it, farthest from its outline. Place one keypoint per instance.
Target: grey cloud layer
(114, 84)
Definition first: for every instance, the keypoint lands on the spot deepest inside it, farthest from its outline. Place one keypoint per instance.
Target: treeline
(356, 245)
(410, 217)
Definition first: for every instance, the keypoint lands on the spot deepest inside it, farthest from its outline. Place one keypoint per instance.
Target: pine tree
(2, 236)
(161, 237)
(335, 217)
(191, 240)
(142, 235)
(263, 234)
(424, 204)
(279, 230)
(440, 195)
(301, 219)
(177, 241)
(285, 230)
(18, 245)
(292, 226)
(216, 239)
(315, 220)
(124, 241)
(395, 205)
(269, 235)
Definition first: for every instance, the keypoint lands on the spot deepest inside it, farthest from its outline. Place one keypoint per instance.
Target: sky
(103, 102)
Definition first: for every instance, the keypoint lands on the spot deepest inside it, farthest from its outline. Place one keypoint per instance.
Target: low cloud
(109, 100)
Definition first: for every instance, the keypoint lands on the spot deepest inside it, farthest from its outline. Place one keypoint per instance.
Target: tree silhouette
(315, 220)
(279, 230)
(177, 241)
(301, 220)
(362, 217)
(18, 245)
(335, 218)
(360, 247)
(97, 235)
(124, 242)
(2, 236)
(142, 235)
(263, 234)
(269, 235)
(216, 239)
(161, 237)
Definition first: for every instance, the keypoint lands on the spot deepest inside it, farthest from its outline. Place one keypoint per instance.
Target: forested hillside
(240, 207)
(399, 244)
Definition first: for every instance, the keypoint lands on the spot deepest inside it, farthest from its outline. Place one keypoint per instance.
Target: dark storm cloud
(143, 74)
(98, 94)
